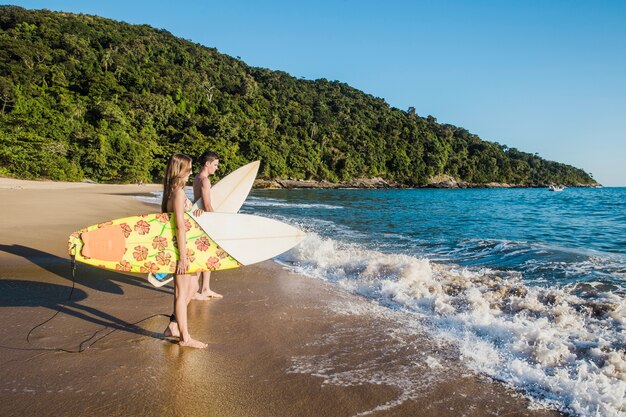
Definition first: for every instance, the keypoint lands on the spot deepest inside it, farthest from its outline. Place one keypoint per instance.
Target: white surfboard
(228, 194)
(248, 238)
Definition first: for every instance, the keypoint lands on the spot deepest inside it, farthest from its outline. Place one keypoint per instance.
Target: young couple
(177, 173)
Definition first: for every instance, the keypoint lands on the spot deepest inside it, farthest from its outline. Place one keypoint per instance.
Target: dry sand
(279, 344)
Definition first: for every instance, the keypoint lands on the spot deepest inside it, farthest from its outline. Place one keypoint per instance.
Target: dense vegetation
(87, 97)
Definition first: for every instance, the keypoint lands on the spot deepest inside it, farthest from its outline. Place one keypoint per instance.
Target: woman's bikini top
(188, 204)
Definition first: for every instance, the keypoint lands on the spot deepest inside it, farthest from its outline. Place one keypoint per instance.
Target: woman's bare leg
(192, 288)
(185, 288)
(172, 327)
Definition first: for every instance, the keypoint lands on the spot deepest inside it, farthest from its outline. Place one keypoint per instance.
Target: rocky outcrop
(356, 183)
(439, 181)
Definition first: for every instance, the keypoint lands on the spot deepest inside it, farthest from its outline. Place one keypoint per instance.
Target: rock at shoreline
(439, 181)
(356, 183)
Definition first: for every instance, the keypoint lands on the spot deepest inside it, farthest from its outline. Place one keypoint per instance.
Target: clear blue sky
(546, 77)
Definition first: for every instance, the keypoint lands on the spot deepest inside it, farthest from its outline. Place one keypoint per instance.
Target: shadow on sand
(89, 276)
(18, 293)
(21, 293)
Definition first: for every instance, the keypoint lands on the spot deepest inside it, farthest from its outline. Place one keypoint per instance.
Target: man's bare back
(202, 189)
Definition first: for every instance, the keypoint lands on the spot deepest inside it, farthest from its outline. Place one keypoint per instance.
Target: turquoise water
(528, 284)
(573, 237)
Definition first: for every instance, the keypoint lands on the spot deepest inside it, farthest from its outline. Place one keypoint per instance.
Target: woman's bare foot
(193, 344)
(171, 330)
(206, 295)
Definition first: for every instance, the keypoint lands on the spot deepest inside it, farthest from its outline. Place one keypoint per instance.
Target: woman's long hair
(178, 167)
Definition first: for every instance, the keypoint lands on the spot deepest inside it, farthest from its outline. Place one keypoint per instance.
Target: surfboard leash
(69, 298)
(81, 348)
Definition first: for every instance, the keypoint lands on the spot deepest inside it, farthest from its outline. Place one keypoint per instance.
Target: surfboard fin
(159, 280)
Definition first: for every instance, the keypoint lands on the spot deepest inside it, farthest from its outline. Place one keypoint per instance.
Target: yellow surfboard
(147, 244)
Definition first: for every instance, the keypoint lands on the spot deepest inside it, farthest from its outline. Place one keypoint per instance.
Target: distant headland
(380, 183)
(84, 97)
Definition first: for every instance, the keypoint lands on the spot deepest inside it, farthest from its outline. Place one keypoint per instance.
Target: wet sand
(279, 344)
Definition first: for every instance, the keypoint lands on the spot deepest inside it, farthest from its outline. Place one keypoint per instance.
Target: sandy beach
(280, 344)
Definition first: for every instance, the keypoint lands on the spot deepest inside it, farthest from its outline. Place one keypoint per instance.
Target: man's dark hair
(208, 156)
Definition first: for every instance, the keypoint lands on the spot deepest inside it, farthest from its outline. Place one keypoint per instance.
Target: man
(209, 163)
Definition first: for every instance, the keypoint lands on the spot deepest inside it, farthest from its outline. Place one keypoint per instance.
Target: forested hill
(87, 97)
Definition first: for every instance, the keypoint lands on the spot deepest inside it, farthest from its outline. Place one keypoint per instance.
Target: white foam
(377, 361)
(433, 363)
(272, 202)
(154, 199)
(563, 351)
(157, 196)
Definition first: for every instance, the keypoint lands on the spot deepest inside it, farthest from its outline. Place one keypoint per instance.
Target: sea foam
(561, 349)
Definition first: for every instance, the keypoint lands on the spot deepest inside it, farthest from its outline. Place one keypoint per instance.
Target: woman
(177, 173)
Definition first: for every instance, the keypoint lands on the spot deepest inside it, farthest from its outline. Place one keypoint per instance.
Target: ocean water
(529, 284)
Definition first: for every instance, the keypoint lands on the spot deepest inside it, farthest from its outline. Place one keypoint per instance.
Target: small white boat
(556, 188)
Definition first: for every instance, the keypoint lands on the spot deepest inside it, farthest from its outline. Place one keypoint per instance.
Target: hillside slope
(87, 97)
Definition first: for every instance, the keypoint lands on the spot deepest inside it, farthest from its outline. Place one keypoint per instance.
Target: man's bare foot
(171, 330)
(206, 295)
(213, 294)
(193, 343)
(200, 297)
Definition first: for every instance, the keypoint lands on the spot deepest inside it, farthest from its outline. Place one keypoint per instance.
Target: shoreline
(379, 183)
(280, 344)
(443, 182)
